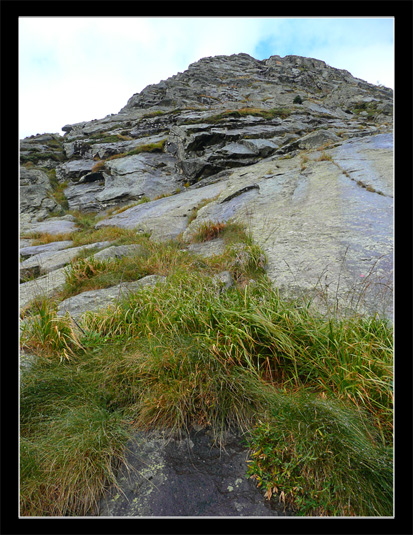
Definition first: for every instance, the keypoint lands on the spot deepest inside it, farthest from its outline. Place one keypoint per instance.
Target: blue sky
(74, 69)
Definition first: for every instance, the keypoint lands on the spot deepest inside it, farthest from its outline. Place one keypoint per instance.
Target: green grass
(313, 394)
(322, 458)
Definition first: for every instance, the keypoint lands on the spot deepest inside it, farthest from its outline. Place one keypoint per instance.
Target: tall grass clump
(71, 440)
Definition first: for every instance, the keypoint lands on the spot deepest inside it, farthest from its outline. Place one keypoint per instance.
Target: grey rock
(94, 300)
(224, 280)
(36, 194)
(44, 286)
(50, 260)
(55, 225)
(83, 196)
(263, 147)
(164, 218)
(317, 139)
(74, 170)
(208, 248)
(47, 247)
(119, 251)
(186, 477)
(323, 232)
(368, 161)
(145, 174)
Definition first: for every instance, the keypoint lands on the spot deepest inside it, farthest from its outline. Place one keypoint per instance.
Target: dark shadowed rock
(187, 476)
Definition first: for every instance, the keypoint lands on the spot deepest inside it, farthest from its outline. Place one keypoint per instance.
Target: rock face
(300, 152)
(184, 477)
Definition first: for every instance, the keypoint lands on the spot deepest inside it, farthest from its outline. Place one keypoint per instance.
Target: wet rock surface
(186, 477)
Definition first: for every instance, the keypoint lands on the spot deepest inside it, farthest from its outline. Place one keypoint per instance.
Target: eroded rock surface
(187, 476)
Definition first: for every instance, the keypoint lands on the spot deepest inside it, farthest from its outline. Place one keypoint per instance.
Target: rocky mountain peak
(242, 79)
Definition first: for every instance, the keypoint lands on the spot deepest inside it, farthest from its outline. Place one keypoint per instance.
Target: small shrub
(324, 157)
(208, 230)
(82, 270)
(98, 166)
(297, 100)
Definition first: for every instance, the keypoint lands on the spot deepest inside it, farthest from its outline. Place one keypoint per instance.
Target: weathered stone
(47, 247)
(119, 251)
(317, 139)
(55, 225)
(208, 248)
(36, 194)
(322, 231)
(74, 170)
(44, 286)
(186, 477)
(82, 196)
(146, 174)
(94, 300)
(224, 280)
(164, 218)
(50, 260)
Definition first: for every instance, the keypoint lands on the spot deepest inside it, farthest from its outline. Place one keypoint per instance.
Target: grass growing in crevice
(312, 394)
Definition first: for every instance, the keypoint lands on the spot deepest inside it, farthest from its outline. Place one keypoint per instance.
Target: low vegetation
(312, 394)
(148, 147)
(265, 113)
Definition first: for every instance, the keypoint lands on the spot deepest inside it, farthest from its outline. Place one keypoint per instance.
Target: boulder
(208, 248)
(317, 139)
(55, 225)
(145, 174)
(83, 196)
(44, 286)
(73, 170)
(119, 251)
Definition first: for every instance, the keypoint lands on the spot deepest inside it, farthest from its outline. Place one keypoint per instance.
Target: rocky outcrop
(187, 476)
(35, 195)
(299, 152)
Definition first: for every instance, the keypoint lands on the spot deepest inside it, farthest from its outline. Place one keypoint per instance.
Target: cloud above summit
(74, 69)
